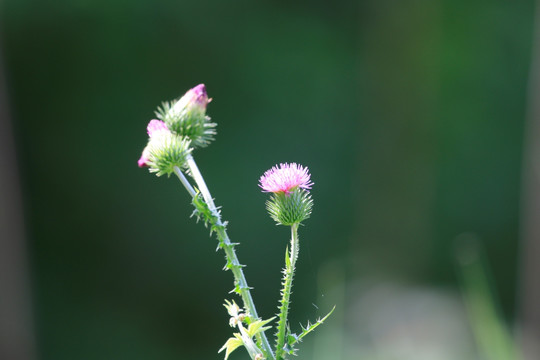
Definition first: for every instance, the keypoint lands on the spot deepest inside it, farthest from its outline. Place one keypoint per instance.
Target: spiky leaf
(307, 329)
(202, 211)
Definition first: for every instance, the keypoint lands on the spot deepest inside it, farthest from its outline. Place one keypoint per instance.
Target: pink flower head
(285, 178)
(155, 126)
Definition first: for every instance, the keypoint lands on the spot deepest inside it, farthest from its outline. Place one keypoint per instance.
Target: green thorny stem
(241, 285)
(290, 263)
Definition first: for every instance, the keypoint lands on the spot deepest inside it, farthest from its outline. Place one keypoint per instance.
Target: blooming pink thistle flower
(154, 128)
(285, 178)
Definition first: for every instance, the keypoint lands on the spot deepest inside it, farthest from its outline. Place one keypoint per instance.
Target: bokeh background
(413, 116)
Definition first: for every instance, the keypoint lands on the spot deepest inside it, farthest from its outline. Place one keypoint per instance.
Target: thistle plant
(183, 126)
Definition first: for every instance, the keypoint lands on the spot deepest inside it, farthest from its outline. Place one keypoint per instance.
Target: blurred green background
(409, 114)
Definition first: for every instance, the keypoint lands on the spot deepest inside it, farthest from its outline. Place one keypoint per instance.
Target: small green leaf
(292, 338)
(287, 258)
(258, 326)
(237, 289)
(231, 345)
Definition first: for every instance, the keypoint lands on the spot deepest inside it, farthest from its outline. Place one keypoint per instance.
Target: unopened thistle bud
(165, 150)
(187, 117)
(153, 129)
(290, 202)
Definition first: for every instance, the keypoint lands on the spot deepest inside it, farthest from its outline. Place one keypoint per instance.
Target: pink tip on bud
(199, 96)
(143, 161)
(285, 178)
(193, 98)
(155, 126)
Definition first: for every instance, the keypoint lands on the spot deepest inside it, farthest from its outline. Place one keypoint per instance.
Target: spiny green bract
(289, 209)
(202, 211)
(190, 122)
(166, 152)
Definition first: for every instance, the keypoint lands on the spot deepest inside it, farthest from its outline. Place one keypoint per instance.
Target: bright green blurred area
(409, 115)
